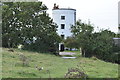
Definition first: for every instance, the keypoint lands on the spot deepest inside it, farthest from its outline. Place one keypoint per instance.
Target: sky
(101, 13)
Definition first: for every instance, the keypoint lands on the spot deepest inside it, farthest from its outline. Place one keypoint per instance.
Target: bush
(75, 73)
(99, 44)
(38, 31)
(24, 60)
(94, 58)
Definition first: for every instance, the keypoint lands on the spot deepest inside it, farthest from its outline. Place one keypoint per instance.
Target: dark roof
(64, 9)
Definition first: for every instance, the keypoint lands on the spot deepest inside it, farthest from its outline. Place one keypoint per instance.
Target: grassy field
(12, 66)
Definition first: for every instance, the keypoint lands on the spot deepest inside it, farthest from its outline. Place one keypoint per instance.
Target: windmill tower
(119, 17)
(64, 18)
(117, 40)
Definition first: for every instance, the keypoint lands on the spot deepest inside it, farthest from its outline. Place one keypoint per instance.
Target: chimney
(56, 6)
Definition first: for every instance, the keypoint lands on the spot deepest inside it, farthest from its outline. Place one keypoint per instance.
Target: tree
(103, 43)
(28, 23)
(99, 44)
(71, 42)
(83, 33)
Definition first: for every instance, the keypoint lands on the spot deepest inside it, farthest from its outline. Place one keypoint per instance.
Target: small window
(62, 26)
(119, 25)
(119, 28)
(62, 17)
(62, 36)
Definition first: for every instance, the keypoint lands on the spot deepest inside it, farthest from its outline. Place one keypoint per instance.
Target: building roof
(64, 9)
(116, 38)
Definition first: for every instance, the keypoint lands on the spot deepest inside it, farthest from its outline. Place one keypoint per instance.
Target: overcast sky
(101, 13)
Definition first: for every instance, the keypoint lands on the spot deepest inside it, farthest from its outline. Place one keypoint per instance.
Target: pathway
(66, 53)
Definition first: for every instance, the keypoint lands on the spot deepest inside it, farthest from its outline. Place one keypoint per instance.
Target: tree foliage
(99, 44)
(83, 34)
(71, 42)
(28, 23)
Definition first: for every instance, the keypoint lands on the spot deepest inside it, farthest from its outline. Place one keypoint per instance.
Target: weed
(75, 73)
(24, 59)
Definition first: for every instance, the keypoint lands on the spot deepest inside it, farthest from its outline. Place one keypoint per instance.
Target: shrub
(94, 58)
(24, 59)
(75, 73)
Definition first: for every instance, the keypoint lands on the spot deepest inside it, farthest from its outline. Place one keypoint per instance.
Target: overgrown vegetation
(99, 44)
(27, 23)
(71, 42)
(53, 66)
(76, 72)
(24, 60)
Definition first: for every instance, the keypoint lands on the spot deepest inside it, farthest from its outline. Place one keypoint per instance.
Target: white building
(119, 16)
(64, 18)
(117, 40)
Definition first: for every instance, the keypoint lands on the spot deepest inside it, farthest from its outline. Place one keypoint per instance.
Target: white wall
(69, 20)
(119, 15)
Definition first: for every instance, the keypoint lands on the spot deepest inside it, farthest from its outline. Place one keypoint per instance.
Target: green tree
(28, 23)
(71, 42)
(99, 44)
(83, 33)
(103, 43)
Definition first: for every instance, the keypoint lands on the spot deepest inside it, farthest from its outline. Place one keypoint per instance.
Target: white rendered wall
(70, 18)
(119, 15)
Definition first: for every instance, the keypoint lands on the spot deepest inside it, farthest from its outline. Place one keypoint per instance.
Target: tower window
(62, 17)
(62, 36)
(62, 26)
(119, 28)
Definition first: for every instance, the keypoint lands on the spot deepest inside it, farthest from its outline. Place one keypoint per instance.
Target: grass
(57, 66)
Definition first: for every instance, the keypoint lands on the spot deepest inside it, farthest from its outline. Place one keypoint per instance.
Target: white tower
(119, 17)
(64, 18)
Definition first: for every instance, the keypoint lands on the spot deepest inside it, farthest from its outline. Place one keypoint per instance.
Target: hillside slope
(53, 66)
